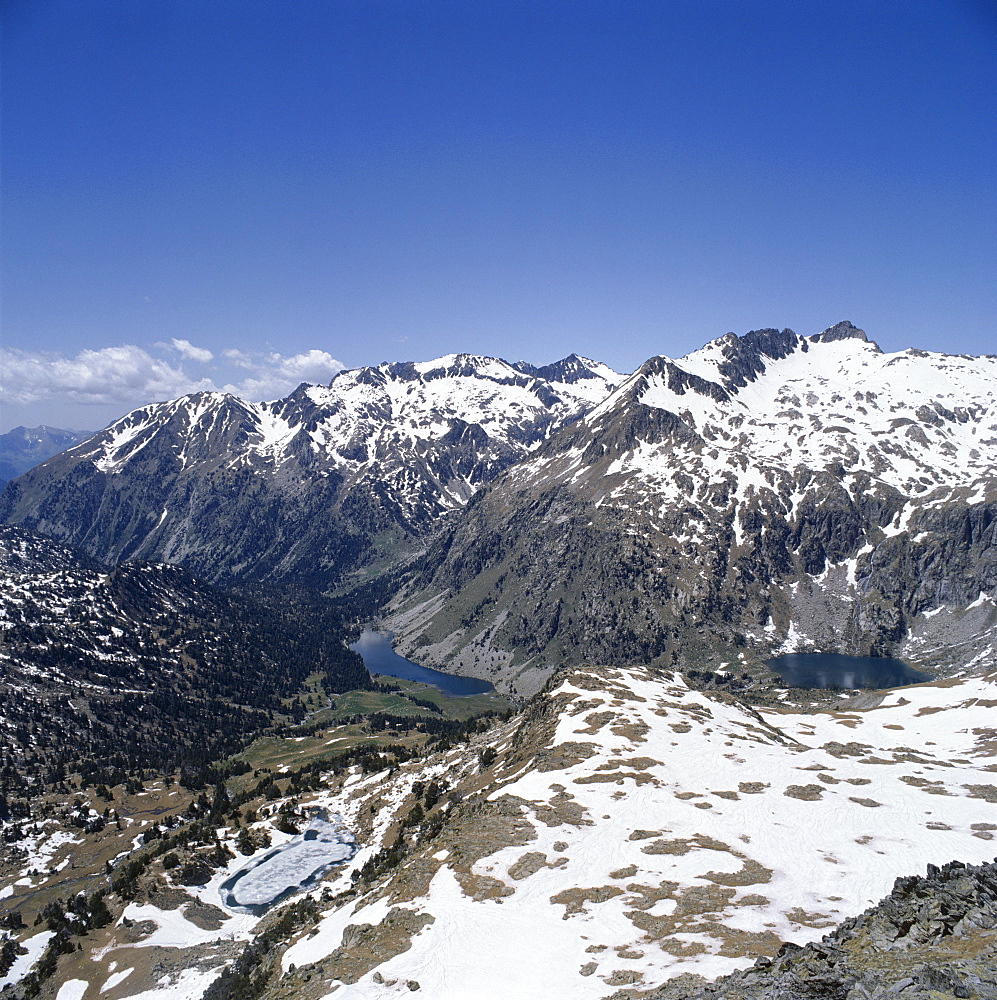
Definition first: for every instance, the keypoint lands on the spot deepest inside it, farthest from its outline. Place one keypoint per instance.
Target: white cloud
(275, 375)
(187, 350)
(125, 374)
(240, 358)
(130, 375)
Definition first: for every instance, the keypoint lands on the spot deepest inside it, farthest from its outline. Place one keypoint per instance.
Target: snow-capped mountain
(767, 491)
(302, 486)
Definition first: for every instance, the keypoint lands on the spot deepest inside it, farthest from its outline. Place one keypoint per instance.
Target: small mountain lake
(834, 670)
(380, 658)
(298, 864)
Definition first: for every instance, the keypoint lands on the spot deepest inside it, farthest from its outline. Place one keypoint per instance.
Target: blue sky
(250, 194)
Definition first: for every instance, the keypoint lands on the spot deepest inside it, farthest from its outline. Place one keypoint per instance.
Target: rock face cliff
(307, 487)
(772, 492)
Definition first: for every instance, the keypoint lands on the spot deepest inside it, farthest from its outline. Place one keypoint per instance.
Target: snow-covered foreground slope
(624, 831)
(301, 486)
(631, 830)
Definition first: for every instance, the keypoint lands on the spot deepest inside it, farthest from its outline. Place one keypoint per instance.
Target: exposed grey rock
(686, 521)
(928, 938)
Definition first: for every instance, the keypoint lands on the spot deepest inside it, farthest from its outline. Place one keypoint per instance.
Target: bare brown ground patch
(637, 777)
(564, 755)
(585, 705)
(561, 809)
(528, 864)
(752, 787)
(808, 793)
(751, 873)
(627, 872)
(596, 721)
(366, 946)
(636, 763)
(643, 897)
(843, 750)
(917, 781)
(574, 900)
(806, 919)
(673, 847)
(624, 977)
(636, 732)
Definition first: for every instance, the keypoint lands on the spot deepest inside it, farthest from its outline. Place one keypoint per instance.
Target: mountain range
(25, 447)
(769, 492)
(308, 487)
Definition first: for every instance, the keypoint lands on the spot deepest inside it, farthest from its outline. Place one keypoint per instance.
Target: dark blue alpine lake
(833, 670)
(380, 658)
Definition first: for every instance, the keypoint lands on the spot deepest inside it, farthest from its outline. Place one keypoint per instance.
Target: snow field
(728, 826)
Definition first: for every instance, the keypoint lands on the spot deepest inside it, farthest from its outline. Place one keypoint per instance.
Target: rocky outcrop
(931, 937)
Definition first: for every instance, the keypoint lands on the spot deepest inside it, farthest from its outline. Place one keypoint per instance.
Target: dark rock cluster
(931, 937)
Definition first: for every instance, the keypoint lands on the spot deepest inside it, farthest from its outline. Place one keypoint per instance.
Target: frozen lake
(284, 870)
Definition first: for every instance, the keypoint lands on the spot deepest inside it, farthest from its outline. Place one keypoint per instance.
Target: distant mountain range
(768, 492)
(25, 447)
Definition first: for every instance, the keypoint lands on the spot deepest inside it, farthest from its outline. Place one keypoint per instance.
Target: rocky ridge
(932, 936)
(770, 492)
(307, 487)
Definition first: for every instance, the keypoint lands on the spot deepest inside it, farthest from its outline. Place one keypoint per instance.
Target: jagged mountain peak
(719, 497)
(223, 485)
(842, 331)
